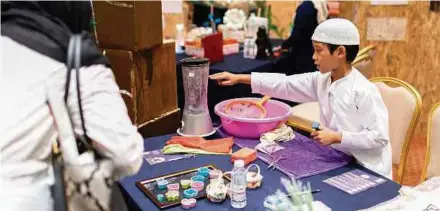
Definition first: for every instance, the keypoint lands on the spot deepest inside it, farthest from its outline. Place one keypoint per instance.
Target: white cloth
(421, 197)
(269, 141)
(337, 31)
(281, 134)
(322, 10)
(27, 128)
(351, 105)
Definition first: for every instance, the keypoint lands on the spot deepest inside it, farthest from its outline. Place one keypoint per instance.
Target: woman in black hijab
(46, 27)
(35, 39)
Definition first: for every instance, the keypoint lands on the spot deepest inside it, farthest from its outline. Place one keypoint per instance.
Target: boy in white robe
(354, 118)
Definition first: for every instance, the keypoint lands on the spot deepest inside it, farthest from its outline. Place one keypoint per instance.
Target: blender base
(203, 135)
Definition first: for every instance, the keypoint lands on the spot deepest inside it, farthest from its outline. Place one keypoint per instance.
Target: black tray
(149, 186)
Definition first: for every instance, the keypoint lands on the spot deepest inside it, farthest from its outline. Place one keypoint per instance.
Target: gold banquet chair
(364, 64)
(367, 50)
(303, 115)
(403, 103)
(364, 60)
(432, 159)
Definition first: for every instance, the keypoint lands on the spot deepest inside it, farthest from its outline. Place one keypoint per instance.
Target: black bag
(78, 185)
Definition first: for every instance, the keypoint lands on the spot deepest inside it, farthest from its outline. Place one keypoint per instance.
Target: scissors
(275, 161)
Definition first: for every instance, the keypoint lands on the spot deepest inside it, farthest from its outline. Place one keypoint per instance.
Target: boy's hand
(327, 136)
(229, 79)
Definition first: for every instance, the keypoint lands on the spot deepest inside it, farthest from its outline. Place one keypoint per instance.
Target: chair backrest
(432, 159)
(367, 50)
(364, 60)
(364, 64)
(403, 103)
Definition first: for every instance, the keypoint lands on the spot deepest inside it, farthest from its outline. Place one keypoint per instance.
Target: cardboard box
(131, 108)
(125, 71)
(158, 94)
(128, 25)
(165, 124)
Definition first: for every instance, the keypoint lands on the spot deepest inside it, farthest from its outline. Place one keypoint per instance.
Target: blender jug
(196, 120)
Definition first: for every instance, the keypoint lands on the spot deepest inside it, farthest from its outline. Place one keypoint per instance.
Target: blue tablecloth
(332, 197)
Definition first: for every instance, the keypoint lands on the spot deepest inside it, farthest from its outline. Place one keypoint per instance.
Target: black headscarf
(46, 27)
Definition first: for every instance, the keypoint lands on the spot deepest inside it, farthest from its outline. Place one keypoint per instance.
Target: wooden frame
(412, 125)
(365, 50)
(428, 143)
(140, 184)
(360, 59)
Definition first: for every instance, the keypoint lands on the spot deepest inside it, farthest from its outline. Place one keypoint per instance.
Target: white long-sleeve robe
(27, 128)
(351, 105)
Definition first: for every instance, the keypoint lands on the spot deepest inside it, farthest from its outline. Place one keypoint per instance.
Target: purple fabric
(302, 157)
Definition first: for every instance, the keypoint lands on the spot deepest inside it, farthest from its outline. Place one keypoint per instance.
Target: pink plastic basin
(277, 112)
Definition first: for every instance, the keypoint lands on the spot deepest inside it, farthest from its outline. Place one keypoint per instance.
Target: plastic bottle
(238, 185)
(249, 48)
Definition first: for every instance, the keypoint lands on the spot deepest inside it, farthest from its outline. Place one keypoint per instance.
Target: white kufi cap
(337, 31)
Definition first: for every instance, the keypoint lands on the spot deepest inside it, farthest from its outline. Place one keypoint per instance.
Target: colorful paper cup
(162, 184)
(198, 185)
(160, 197)
(185, 183)
(190, 193)
(213, 174)
(188, 203)
(203, 171)
(172, 195)
(198, 178)
(174, 186)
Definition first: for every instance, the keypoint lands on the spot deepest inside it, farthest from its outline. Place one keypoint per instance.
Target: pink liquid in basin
(277, 112)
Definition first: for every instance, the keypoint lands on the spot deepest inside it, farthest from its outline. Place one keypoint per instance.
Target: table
(332, 197)
(236, 63)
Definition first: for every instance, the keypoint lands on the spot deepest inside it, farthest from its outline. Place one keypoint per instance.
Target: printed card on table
(354, 182)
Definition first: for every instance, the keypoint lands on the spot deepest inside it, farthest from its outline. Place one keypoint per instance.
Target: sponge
(246, 154)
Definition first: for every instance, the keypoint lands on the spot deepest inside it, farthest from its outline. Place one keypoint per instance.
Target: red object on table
(246, 154)
(213, 47)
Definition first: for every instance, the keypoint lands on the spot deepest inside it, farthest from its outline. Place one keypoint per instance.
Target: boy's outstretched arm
(229, 79)
(298, 88)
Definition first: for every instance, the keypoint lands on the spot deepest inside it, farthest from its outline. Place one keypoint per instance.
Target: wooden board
(149, 186)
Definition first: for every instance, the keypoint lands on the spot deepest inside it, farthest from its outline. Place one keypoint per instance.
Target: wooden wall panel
(414, 60)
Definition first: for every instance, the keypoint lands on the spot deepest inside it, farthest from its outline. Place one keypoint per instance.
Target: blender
(196, 120)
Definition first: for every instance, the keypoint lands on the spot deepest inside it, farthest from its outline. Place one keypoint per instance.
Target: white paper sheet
(172, 6)
(389, 2)
(387, 28)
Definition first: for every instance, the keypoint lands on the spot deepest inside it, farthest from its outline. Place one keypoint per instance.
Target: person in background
(308, 15)
(354, 117)
(333, 9)
(34, 40)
